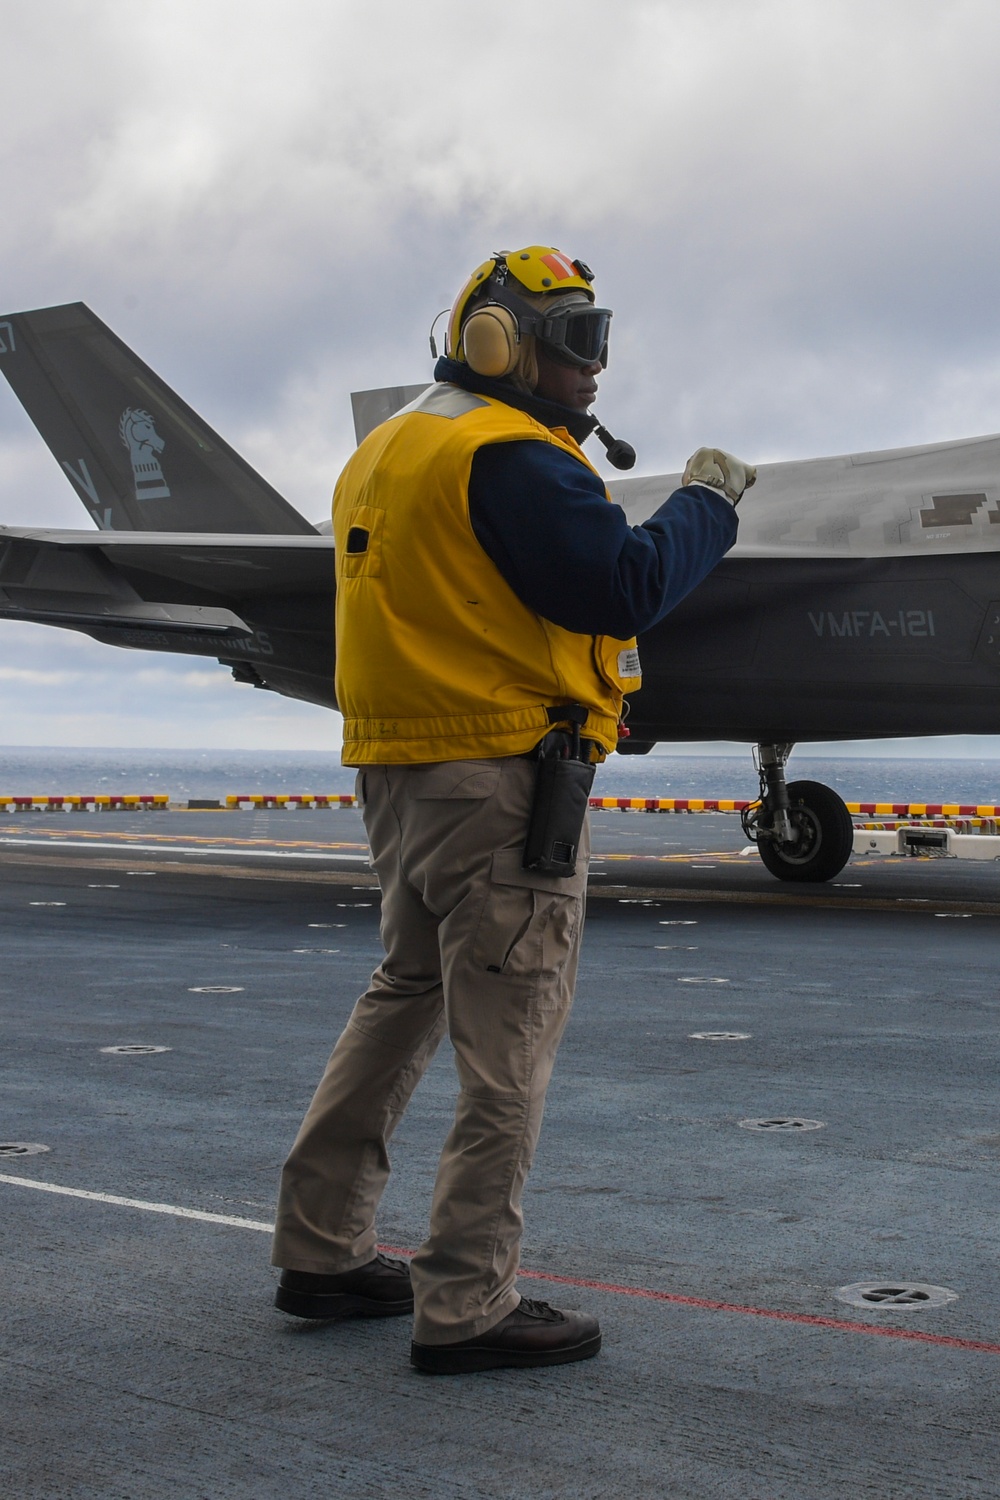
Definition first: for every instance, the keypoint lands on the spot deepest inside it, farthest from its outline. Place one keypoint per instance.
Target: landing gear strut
(802, 829)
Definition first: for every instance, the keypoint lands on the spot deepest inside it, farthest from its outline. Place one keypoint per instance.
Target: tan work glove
(720, 471)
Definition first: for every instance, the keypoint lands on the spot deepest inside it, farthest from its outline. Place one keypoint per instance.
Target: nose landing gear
(802, 829)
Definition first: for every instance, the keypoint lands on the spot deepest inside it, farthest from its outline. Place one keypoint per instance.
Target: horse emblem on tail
(139, 435)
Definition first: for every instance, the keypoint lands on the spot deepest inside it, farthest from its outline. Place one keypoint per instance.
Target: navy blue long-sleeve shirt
(544, 520)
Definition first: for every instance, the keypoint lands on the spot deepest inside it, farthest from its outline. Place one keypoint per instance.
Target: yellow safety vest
(437, 658)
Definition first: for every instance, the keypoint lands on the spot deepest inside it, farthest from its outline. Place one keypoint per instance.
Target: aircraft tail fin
(137, 455)
(372, 408)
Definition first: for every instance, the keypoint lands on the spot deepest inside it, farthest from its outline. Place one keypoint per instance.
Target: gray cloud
(792, 207)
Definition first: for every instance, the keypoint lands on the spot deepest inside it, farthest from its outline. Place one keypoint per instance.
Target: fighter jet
(862, 600)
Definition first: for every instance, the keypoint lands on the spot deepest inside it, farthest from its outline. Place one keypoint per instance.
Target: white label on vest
(628, 663)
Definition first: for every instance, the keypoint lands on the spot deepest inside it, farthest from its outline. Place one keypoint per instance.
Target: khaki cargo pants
(475, 946)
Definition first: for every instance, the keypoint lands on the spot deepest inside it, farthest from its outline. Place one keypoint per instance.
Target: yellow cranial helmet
(508, 296)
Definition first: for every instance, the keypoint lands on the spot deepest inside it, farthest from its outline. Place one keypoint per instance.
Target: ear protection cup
(490, 341)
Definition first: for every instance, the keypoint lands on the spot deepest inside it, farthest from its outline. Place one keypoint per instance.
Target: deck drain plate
(787, 1123)
(215, 989)
(719, 1036)
(22, 1148)
(135, 1050)
(700, 979)
(895, 1294)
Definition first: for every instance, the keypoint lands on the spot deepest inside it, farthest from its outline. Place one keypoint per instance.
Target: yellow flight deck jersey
(437, 658)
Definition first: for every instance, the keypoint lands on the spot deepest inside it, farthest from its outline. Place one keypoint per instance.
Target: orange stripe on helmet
(559, 265)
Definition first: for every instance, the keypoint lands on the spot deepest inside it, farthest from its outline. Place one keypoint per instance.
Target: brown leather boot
(533, 1334)
(380, 1289)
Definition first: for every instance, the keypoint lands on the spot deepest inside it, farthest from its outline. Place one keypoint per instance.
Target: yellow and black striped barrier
(856, 809)
(887, 813)
(281, 799)
(101, 802)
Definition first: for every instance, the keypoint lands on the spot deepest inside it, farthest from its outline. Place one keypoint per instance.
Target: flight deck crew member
(483, 581)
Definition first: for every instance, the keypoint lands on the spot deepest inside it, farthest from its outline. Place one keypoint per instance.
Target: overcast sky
(792, 207)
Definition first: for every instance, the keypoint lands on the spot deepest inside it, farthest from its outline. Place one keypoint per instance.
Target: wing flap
(82, 611)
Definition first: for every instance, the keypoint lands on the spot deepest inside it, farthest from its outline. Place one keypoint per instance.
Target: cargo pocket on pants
(529, 921)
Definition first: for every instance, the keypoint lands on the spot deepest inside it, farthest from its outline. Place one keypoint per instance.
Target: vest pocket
(361, 556)
(529, 922)
(618, 663)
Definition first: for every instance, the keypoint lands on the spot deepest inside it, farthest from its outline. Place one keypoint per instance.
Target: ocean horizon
(183, 774)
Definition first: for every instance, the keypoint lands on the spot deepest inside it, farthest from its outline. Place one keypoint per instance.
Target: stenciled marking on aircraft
(138, 433)
(7, 345)
(258, 644)
(866, 624)
(82, 479)
(102, 515)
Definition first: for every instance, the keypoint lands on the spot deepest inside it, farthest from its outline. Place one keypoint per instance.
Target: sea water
(183, 774)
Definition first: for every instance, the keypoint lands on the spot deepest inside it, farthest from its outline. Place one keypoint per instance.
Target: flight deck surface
(142, 1353)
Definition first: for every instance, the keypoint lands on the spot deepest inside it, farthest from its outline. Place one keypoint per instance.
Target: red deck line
(811, 1320)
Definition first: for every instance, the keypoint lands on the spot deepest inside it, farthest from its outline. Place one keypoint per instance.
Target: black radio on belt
(562, 791)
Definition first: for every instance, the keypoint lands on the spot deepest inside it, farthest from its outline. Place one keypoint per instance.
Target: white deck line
(150, 1208)
(164, 849)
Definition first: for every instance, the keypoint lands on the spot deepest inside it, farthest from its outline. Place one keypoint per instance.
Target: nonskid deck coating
(150, 1343)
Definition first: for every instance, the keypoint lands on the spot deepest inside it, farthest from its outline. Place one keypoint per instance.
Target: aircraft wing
(936, 499)
(262, 605)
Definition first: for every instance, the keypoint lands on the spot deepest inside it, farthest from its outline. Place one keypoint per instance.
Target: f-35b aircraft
(862, 601)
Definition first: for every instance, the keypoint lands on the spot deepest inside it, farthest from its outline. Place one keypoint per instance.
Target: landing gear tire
(826, 835)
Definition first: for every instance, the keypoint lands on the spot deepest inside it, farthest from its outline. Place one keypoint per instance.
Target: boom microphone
(621, 455)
